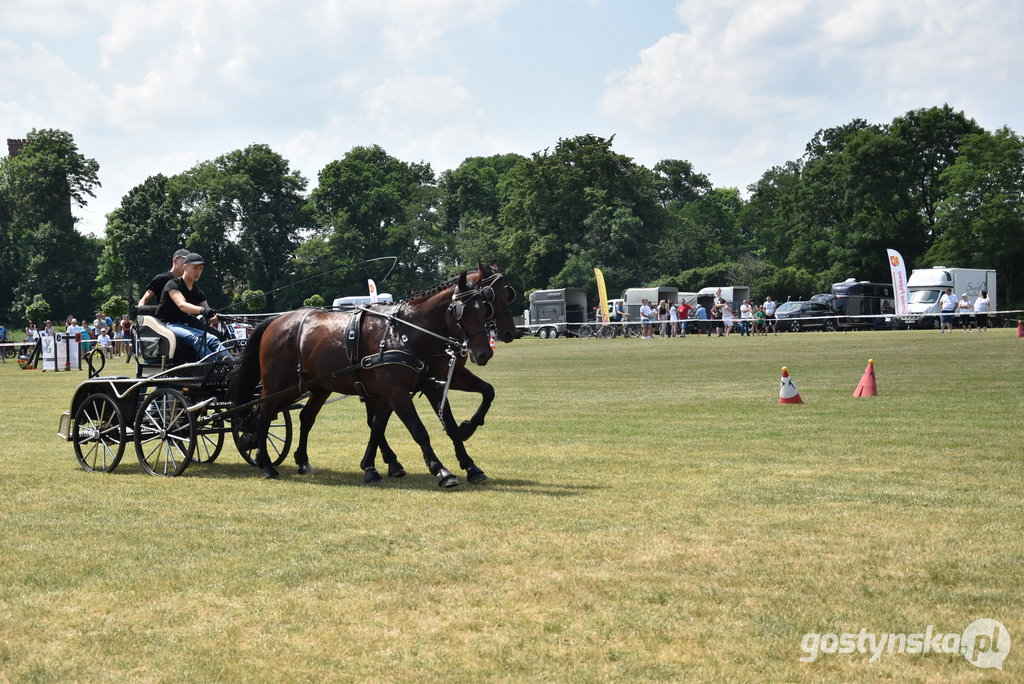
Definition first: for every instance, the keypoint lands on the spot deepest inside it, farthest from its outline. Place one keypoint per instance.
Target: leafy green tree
(982, 218)
(580, 206)
(43, 252)
(313, 300)
(38, 310)
(142, 234)
(469, 207)
(253, 300)
(370, 204)
(245, 212)
(678, 183)
(116, 306)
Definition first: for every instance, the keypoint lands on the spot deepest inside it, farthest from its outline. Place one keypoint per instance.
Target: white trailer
(927, 285)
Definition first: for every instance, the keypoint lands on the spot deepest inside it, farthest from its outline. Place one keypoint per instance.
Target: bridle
(486, 287)
(458, 308)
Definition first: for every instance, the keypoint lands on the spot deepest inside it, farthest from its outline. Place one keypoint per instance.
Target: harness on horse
(384, 356)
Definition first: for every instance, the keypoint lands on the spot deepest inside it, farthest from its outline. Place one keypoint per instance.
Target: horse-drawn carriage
(177, 409)
(174, 410)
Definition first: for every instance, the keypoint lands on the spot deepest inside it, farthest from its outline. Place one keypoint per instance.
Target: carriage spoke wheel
(165, 433)
(279, 439)
(99, 434)
(210, 442)
(585, 332)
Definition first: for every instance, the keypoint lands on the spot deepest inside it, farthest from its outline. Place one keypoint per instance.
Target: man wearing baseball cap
(182, 300)
(156, 285)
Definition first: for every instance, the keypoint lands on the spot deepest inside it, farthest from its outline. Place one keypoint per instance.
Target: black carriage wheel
(99, 434)
(210, 442)
(279, 439)
(165, 433)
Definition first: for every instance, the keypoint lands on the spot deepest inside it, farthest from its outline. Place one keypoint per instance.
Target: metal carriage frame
(175, 413)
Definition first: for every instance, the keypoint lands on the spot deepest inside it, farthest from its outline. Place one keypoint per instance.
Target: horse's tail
(243, 379)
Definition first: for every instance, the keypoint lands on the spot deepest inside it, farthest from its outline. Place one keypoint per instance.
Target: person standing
(981, 308)
(947, 308)
(181, 301)
(683, 312)
(727, 319)
(155, 288)
(646, 331)
(746, 317)
(702, 319)
(966, 311)
(760, 326)
(769, 315)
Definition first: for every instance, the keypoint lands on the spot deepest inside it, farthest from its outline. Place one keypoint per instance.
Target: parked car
(796, 316)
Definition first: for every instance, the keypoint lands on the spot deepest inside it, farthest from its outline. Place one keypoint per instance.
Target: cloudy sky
(734, 86)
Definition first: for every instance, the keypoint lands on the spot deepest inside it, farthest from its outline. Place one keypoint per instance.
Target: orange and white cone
(867, 386)
(787, 390)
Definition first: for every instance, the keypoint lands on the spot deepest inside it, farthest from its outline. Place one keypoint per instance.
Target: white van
(355, 301)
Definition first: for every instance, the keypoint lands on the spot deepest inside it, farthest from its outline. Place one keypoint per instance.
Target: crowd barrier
(1005, 318)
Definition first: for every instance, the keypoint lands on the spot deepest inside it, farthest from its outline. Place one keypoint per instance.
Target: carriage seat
(156, 340)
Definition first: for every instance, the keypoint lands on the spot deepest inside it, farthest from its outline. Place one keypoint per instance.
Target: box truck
(926, 285)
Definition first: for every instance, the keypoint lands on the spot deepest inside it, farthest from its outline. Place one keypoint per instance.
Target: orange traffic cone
(1020, 328)
(787, 390)
(867, 386)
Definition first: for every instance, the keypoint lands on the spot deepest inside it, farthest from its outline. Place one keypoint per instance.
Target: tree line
(932, 184)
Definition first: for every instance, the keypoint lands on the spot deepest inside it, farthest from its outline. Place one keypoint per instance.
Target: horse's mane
(434, 289)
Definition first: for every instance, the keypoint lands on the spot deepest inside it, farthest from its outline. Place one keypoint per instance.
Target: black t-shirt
(156, 285)
(168, 311)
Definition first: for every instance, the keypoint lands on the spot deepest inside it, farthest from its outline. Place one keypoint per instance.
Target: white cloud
(747, 60)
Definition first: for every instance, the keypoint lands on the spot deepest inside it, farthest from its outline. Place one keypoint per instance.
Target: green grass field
(653, 515)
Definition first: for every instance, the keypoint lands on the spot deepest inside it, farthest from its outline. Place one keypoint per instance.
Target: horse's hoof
(270, 473)
(372, 477)
(475, 475)
(445, 480)
(305, 469)
(396, 470)
(466, 430)
(247, 441)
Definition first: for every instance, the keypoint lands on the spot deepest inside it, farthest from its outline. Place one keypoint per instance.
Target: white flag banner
(899, 282)
(373, 290)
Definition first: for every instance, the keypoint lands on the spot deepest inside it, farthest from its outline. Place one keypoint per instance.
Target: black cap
(181, 254)
(194, 258)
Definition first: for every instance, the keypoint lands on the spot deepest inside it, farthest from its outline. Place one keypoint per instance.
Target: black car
(796, 316)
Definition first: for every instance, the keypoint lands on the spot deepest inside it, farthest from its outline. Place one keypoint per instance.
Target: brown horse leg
(401, 402)
(307, 416)
(262, 427)
(379, 440)
(473, 473)
(465, 381)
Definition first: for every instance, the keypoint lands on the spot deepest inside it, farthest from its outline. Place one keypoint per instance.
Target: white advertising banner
(899, 282)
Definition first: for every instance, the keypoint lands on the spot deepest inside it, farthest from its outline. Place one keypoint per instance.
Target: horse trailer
(559, 312)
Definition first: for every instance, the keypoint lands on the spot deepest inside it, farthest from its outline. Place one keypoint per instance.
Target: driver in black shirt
(181, 301)
(156, 285)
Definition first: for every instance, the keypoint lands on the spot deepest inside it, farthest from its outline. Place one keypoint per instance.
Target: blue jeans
(203, 342)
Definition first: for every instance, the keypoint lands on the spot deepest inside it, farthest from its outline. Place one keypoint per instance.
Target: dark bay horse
(375, 353)
(496, 291)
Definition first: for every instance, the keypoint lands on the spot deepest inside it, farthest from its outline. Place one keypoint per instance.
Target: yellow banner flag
(602, 293)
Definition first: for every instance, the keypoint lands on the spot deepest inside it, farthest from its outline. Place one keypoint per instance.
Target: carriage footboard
(64, 428)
